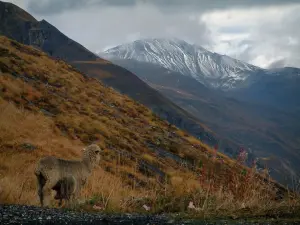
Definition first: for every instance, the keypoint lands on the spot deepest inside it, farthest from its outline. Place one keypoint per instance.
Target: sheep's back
(71, 167)
(56, 167)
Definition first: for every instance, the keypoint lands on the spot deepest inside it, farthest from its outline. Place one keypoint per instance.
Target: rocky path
(17, 214)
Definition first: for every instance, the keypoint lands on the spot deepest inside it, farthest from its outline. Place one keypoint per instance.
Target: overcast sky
(265, 33)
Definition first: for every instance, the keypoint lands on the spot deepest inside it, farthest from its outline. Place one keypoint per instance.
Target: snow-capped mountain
(210, 69)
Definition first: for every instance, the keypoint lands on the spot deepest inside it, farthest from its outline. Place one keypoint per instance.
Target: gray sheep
(66, 177)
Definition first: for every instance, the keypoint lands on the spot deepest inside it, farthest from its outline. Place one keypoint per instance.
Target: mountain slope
(15, 22)
(24, 28)
(43, 35)
(48, 108)
(279, 89)
(210, 69)
(268, 133)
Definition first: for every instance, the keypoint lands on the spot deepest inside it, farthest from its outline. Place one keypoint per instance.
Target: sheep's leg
(63, 188)
(60, 202)
(47, 196)
(73, 199)
(79, 199)
(77, 189)
(72, 204)
(40, 194)
(68, 194)
(70, 201)
(67, 203)
(59, 194)
(41, 181)
(59, 198)
(73, 191)
(46, 192)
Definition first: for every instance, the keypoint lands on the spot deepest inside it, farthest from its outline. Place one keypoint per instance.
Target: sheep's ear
(83, 149)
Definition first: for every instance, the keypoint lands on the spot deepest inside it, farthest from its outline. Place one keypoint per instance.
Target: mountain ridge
(209, 68)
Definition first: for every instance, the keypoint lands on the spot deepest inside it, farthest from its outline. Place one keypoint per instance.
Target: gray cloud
(279, 41)
(241, 29)
(277, 64)
(99, 28)
(53, 6)
(59, 6)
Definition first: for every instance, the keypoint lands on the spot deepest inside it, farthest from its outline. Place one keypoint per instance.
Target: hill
(17, 24)
(49, 108)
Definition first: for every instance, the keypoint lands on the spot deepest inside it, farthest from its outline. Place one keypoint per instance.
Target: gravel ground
(17, 214)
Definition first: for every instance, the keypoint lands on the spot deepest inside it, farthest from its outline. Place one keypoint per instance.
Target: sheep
(53, 173)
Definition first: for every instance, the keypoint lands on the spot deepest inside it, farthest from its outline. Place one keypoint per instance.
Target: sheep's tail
(41, 181)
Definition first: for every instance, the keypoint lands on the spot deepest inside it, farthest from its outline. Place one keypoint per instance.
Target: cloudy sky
(262, 32)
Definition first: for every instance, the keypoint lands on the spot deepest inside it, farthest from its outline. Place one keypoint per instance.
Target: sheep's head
(93, 153)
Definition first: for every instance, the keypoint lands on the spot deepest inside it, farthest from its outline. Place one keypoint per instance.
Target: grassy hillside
(18, 25)
(49, 108)
(126, 82)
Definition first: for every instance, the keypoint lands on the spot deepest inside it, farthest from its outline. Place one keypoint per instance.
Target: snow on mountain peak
(211, 69)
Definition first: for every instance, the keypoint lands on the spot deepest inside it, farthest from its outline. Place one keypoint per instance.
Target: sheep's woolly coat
(52, 171)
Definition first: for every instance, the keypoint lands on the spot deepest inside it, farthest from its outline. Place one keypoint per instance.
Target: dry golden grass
(110, 191)
(19, 127)
(49, 105)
